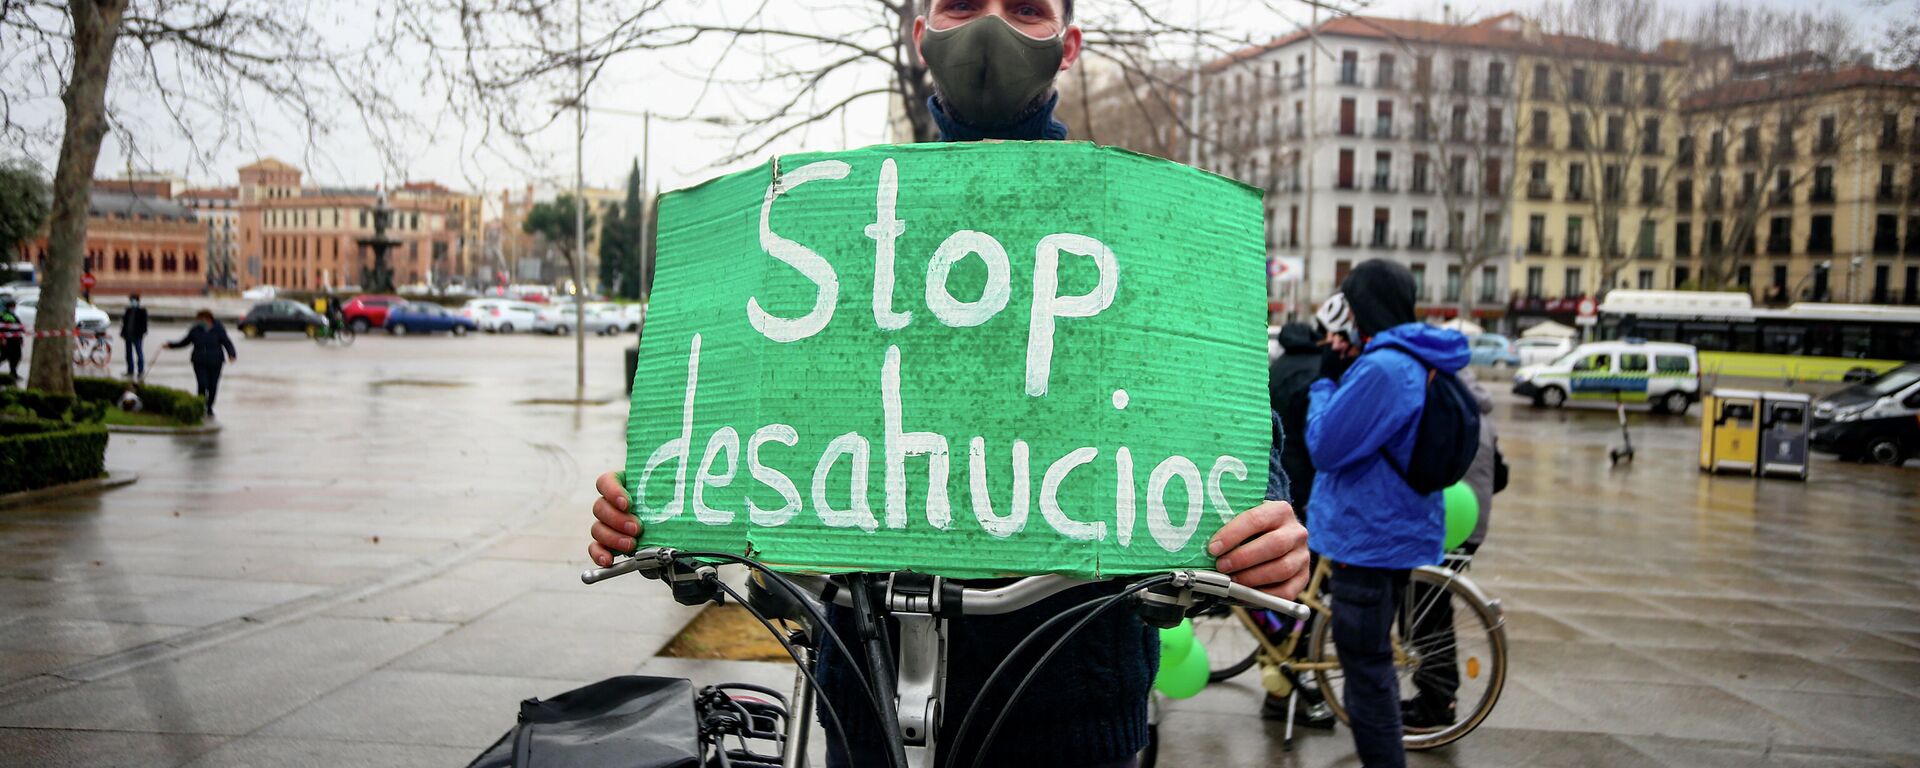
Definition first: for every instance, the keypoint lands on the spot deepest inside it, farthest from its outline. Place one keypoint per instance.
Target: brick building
(138, 242)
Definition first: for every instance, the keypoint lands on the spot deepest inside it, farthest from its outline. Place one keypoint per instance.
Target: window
(1681, 278)
(1750, 144)
(1349, 68)
(1650, 136)
(1616, 133)
(1345, 178)
(1348, 107)
(1420, 175)
(1422, 72)
(1616, 87)
(1820, 234)
(1382, 171)
(1646, 245)
(1600, 363)
(1496, 79)
(1542, 82)
(1536, 281)
(1453, 284)
(1383, 120)
(1536, 233)
(1573, 286)
(1577, 133)
(1459, 171)
(1650, 92)
(1462, 70)
(1672, 364)
(1491, 181)
(1780, 235)
(1385, 77)
(1489, 285)
(1494, 126)
(1382, 218)
(1649, 185)
(1828, 140)
(1633, 362)
(1577, 85)
(1645, 281)
(1613, 182)
(1541, 128)
(1343, 226)
(1417, 234)
(1459, 122)
(1573, 236)
(1576, 182)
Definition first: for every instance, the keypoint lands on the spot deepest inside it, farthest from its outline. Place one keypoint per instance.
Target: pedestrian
(993, 64)
(212, 349)
(133, 329)
(12, 336)
(1433, 703)
(1363, 416)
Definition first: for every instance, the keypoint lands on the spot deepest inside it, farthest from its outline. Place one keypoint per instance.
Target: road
(375, 559)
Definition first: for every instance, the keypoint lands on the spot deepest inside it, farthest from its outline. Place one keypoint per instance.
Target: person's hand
(1264, 548)
(614, 528)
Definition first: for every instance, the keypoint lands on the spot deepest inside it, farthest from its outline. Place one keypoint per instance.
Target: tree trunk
(96, 28)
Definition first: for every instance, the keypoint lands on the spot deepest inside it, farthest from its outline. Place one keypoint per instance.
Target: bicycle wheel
(1231, 646)
(1471, 658)
(101, 354)
(343, 335)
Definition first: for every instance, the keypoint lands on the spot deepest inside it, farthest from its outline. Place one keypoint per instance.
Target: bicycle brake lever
(648, 561)
(1220, 585)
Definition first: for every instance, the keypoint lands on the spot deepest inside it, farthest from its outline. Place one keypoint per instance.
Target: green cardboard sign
(972, 360)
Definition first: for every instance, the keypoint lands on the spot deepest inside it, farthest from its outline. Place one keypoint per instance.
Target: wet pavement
(377, 558)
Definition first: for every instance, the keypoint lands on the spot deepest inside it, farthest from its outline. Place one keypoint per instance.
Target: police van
(1662, 374)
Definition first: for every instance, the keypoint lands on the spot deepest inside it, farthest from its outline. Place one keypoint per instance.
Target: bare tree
(1771, 127)
(1609, 76)
(211, 66)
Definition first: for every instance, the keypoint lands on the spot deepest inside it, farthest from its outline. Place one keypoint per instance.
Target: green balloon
(1176, 643)
(1463, 513)
(1186, 678)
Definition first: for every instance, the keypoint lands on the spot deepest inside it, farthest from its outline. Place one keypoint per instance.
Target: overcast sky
(443, 150)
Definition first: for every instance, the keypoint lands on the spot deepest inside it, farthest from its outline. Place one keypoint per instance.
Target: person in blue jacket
(1366, 519)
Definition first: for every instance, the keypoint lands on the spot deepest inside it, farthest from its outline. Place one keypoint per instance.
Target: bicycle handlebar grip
(1259, 599)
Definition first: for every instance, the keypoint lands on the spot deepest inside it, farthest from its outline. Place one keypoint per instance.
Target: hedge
(50, 406)
(36, 453)
(187, 408)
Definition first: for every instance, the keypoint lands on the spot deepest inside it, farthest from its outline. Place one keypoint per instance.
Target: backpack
(1447, 437)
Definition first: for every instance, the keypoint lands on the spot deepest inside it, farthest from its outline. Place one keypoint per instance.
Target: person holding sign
(993, 63)
(1362, 421)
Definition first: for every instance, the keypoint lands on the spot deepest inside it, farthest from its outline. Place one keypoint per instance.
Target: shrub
(187, 408)
(40, 453)
(45, 405)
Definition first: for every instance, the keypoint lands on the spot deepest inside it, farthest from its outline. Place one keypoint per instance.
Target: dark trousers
(1365, 601)
(136, 348)
(10, 354)
(1430, 612)
(206, 378)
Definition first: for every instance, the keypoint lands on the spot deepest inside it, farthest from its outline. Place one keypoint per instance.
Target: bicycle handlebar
(990, 602)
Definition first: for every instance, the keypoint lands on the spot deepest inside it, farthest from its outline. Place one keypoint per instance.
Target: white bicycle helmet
(1334, 316)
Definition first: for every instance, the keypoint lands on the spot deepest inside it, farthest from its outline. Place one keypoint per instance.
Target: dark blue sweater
(1087, 708)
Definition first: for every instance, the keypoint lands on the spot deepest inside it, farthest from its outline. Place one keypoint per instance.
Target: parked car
(631, 315)
(498, 315)
(1665, 375)
(560, 319)
(369, 311)
(280, 315)
(1877, 420)
(260, 293)
(86, 317)
(1493, 350)
(1537, 351)
(422, 317)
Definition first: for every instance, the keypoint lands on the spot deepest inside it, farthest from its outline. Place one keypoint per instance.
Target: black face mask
(989, 74)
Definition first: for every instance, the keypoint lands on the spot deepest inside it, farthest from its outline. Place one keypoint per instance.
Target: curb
(134, 429)
(113, 479)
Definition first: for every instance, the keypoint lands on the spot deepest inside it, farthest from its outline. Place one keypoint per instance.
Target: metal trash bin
(1785, 428)
(1730, 432)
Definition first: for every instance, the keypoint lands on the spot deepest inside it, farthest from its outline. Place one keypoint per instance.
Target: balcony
(1497, 88)
(1345, 129)
(1779, 246)
(1820, 244)
(1783, 151)
(1383, 131)
(1422, 132)
(1887, 193)
(1385, 82)
(1614, 143)
(1685, 157)
(1684, 204)
(1913, 247)
(1421, 186)
(1539, 139)
(1383, 240)
(1713, 201)
(1648, 248)
(1577, 141)
(1577, 194)
(1417, 240)
(1349, 76)
(1576, 248)
(1781, 197)
(1821, 194)
(1539, 246)
(1299, 80)
(1346, 184)
(1826, 145)
(1749, 153)
(1539, 189)
(1716, 156)
(1295, 132)
(1344, 240)
(1495, 135)
(1890, 140)
(1650, 146)
(1649, 197)
(1382, 184)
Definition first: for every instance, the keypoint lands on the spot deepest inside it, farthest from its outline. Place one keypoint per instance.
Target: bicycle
(905, 692)
(1474, 652)
(92, 349)
(329, 333)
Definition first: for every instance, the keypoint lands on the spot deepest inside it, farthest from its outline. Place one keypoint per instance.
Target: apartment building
(1393, 141)
(308, 238)
(1800, 181)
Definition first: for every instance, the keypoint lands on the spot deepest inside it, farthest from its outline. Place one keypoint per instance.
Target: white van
(1662, 374)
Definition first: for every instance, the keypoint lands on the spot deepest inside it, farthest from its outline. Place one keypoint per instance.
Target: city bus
(1802, 342)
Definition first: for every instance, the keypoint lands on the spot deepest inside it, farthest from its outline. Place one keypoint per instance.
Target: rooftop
(1756, 90)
